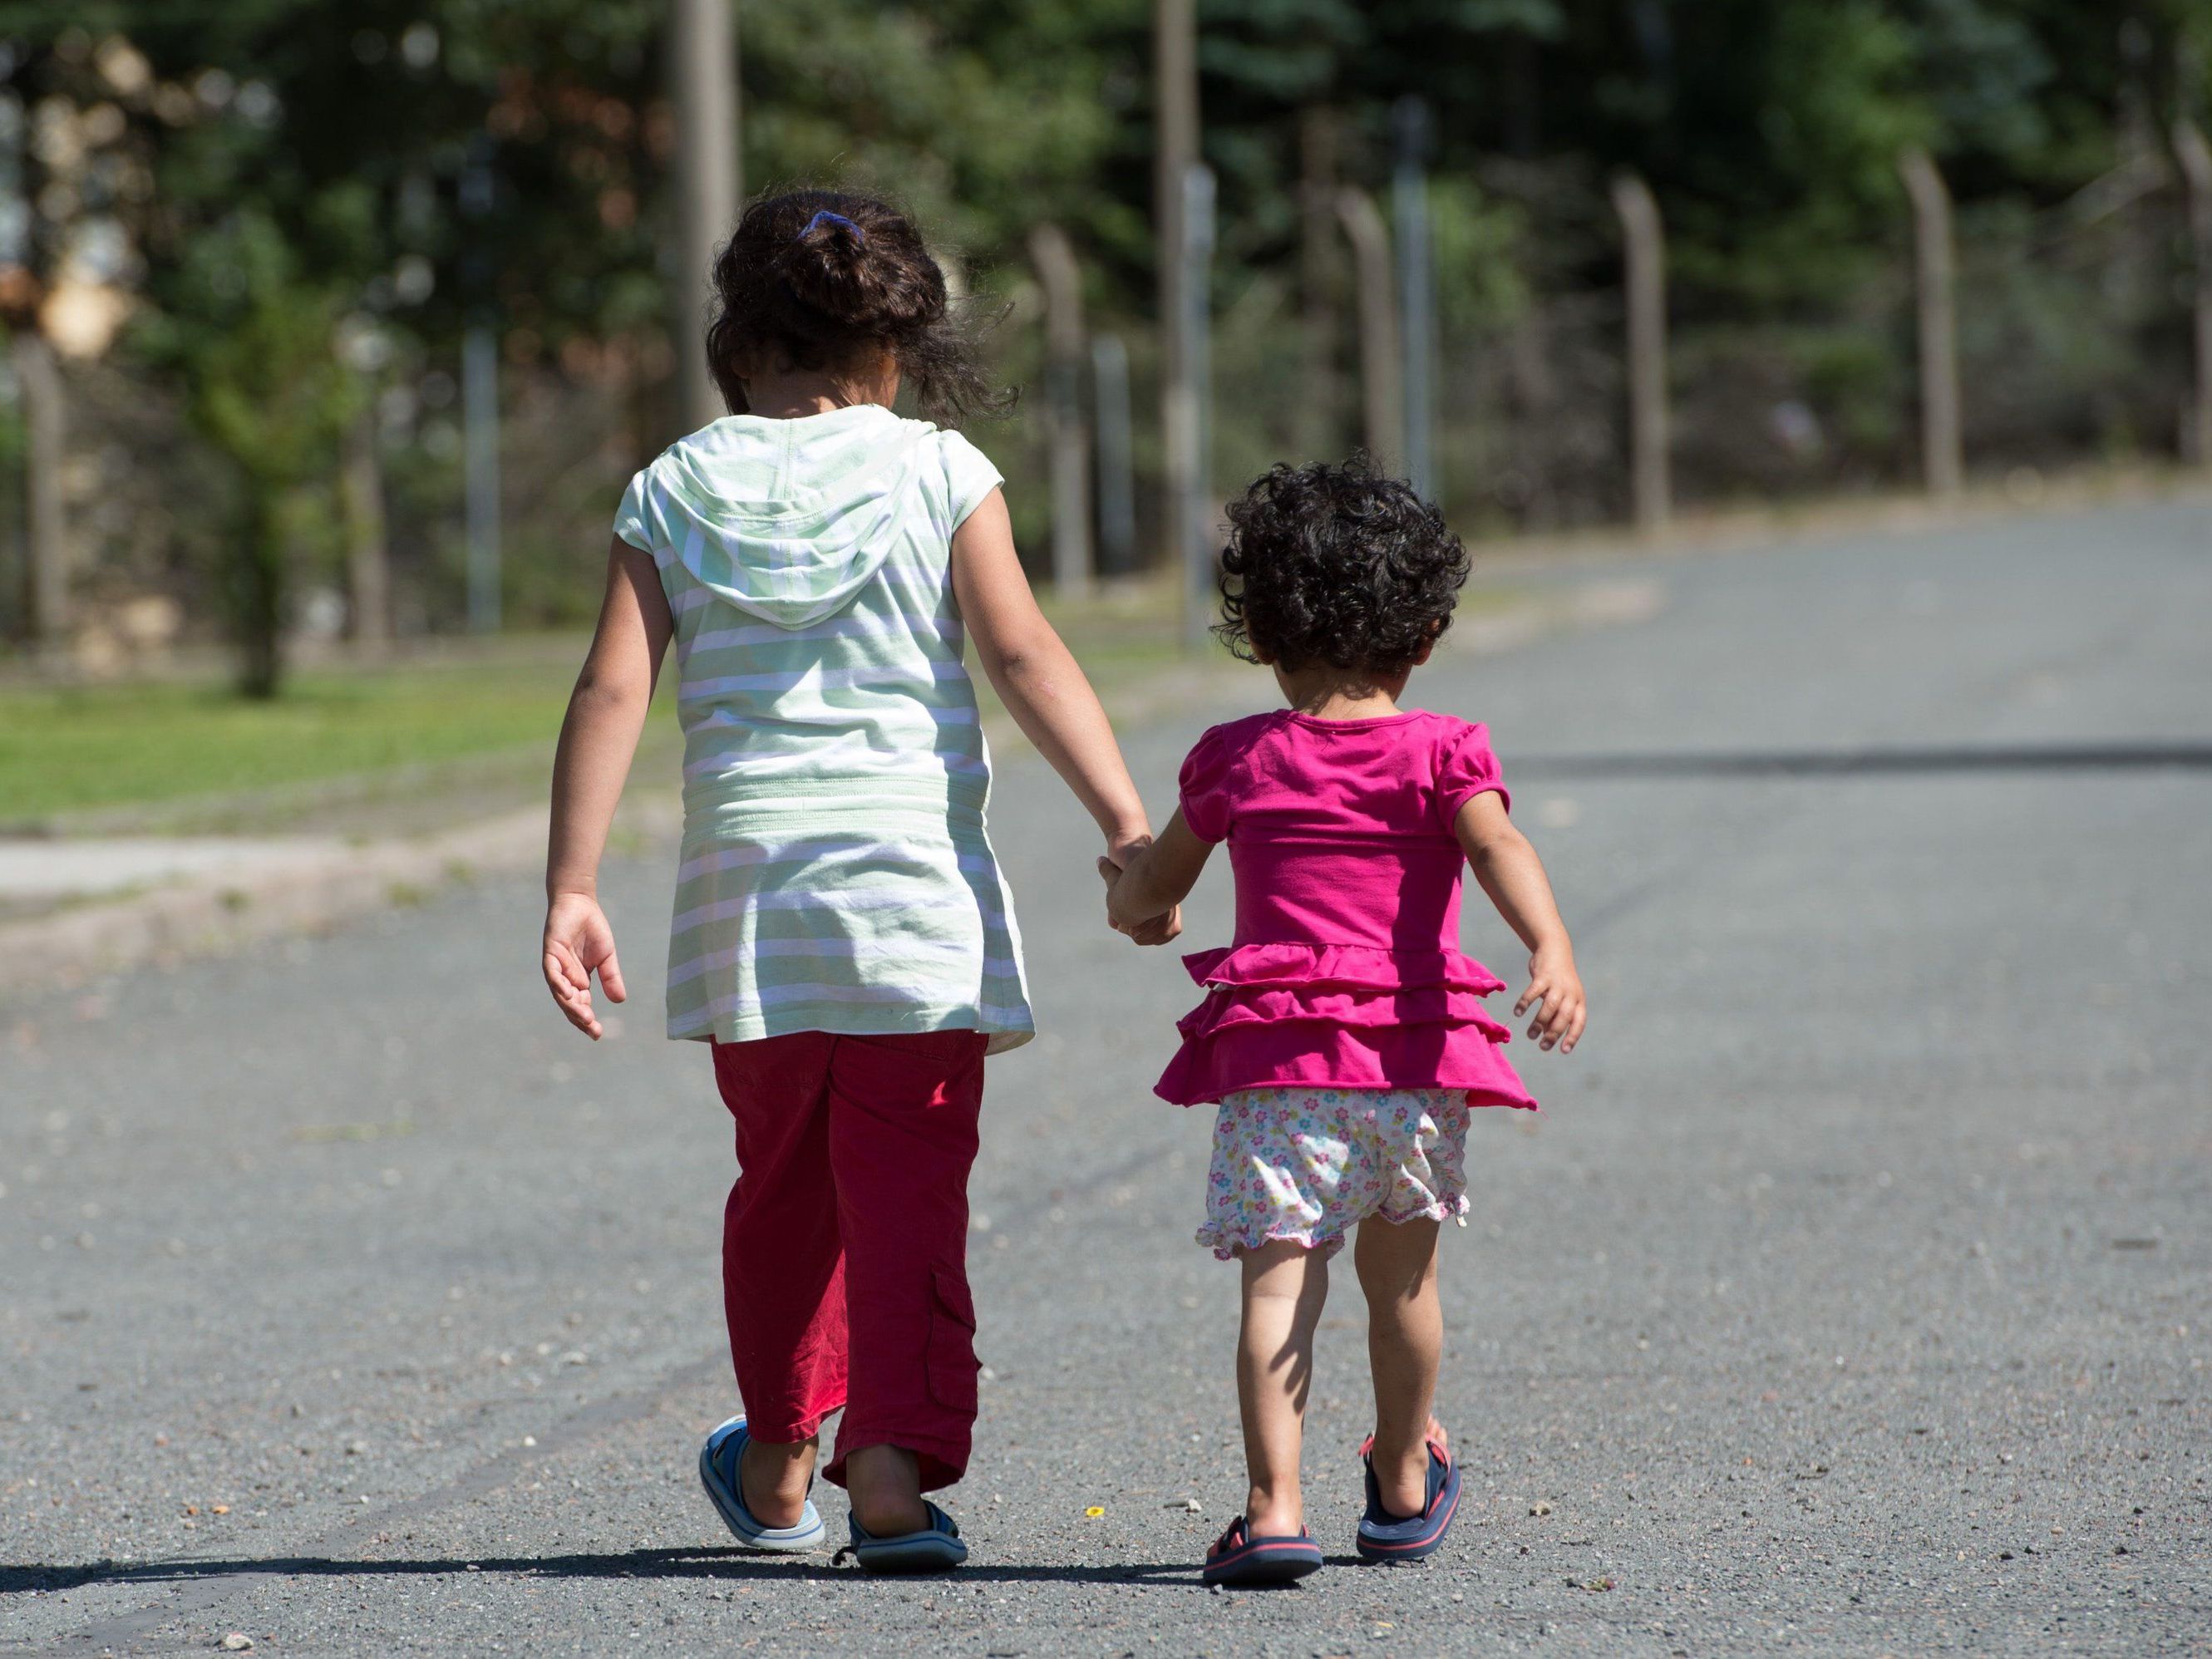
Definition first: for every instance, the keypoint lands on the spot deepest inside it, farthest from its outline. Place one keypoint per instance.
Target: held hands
(1155, 930)
(578, 943)
(1553, 982)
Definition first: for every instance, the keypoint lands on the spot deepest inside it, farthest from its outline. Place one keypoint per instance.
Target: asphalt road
(1850, 1295)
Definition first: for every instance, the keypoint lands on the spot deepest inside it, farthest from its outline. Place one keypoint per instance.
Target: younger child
(842, 937)
(1343, 1032)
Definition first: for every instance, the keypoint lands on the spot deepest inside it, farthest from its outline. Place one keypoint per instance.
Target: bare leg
(1397, 1264)
(1285, 1286)
(884, 1483)
(773, 1477)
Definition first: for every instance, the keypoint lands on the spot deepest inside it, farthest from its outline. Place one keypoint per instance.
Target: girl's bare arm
(1037, 679)
(606, 712)
(1513, 876)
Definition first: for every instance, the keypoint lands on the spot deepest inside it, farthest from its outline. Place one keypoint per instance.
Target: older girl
(842, 937)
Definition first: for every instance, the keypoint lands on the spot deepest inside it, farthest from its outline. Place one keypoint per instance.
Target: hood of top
(787, 520)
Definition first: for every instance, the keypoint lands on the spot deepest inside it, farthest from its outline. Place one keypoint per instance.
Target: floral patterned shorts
(1309, 1164)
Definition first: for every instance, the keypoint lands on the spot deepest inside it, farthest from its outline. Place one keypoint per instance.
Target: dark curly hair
(1336, 564)
(823, 280)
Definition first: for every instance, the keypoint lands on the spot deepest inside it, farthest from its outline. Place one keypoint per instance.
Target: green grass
(368, 751)
(191, 755)
(75, 749)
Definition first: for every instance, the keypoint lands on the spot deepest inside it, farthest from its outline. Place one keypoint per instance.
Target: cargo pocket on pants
(951, 1358)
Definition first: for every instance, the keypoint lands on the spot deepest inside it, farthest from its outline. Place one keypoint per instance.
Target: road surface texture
(1851, 1295)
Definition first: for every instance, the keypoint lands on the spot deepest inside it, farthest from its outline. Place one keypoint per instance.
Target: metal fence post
(369, 563)
(1417, 313)
(1651, 487)
(1191, 425)
(480, 464)
(1175, 151)
(38, 382)
(2195, 156)
(1942, 461)
(1117, 489)
(1319, 284)
(480, 481)
(1382, 398)
(1062, 281)
(702, 70)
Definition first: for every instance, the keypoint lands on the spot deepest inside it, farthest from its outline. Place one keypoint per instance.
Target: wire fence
(2074, 345)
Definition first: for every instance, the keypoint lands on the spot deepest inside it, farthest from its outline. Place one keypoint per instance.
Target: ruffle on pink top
(1340, 1017)
(1346, 973)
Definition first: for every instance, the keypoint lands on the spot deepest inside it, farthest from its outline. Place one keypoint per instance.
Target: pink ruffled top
(1346, 972)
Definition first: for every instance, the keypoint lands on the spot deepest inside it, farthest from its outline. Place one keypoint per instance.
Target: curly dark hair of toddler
(822, 279)
(1336, 564)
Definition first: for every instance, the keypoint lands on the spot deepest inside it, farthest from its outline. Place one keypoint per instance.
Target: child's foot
(721, 1464)
(1244, 1559)
(1389, 1532)
(774, 1478)
(1403, 1482)
(884, 1485)
(933, 1547)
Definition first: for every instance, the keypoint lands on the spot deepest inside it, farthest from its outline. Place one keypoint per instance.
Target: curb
(204, 917)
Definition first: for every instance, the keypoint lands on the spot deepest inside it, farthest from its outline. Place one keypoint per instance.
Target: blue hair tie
(825, 216)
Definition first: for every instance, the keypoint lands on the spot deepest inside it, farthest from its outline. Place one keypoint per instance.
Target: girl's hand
(578, 943)
(1157, 931)
(1553, 982)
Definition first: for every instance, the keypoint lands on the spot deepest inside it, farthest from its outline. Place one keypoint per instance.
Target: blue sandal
(720, 1460)
(1239, 1559)
(935, 1548)
(1386, 1537)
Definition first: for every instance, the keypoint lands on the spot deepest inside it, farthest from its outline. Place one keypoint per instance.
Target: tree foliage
(288, 173)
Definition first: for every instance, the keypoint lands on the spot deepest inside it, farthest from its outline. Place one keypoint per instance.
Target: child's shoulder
(1220, 747)
(1238, 734)
(1453, 745)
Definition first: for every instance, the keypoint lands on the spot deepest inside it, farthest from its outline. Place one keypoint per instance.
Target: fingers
(611, 979)
(1109, 871)
(1560, 1024)
(572, 988)
(1574, 1028)
(1538, 987)
(564, 969)
(1547, 1028)
(1159, 929)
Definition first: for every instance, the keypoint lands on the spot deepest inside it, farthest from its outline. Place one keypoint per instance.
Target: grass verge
(422, 745)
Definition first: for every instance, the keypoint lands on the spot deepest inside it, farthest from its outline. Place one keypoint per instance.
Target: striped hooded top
(836, 873)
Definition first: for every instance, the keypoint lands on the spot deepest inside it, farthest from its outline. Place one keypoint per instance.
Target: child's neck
(792, 394)
(1328, 693)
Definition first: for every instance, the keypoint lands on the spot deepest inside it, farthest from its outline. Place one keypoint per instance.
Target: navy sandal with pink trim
(1240, 1561)
(1386, 1537)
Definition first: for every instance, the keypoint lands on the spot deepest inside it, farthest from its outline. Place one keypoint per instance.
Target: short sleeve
(1466, 768)
(1205, 787)
(968, 477)
(630, 523)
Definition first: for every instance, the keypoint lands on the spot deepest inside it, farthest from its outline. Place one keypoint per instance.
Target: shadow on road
(1853, 762)
(731, 1564)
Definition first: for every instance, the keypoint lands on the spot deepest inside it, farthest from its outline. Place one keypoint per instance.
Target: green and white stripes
(836, 874)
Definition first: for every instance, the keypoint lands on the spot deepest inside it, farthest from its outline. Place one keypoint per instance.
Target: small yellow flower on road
(1094, 1512)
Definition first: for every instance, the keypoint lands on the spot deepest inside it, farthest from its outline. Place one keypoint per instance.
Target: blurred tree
(257, 348)
(1767, 128)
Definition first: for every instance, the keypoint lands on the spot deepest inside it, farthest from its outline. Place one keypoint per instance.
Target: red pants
(845, 1243)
